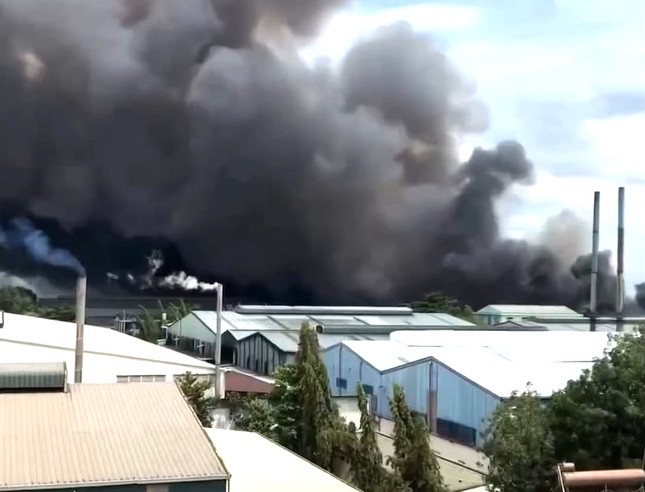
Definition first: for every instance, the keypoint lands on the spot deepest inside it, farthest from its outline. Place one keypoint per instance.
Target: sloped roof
(501, 362)
(107, 352)
(257, 463)
(529, 310)
(252, 319)
(103, 434)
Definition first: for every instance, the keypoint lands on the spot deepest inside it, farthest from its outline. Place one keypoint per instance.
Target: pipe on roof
(620, 478)
(620, 277)
(81, 292)
(593, 295)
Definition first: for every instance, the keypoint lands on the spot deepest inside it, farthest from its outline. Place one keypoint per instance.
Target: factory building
(494, 314)
(455, 379)
(109, 356)
(262, 338)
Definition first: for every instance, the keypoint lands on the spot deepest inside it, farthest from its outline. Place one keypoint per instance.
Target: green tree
(437, 302)
(150, 326)
(285, 405)
(413, 459)
(368, 472)
(195, 391)
(254, 414)
(519, 445)
(18, 300)
(598, 420)
(318, 426)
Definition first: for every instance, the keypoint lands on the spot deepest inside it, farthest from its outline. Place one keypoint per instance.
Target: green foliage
(18, 300)
(195, 390)
(436, 302)
(368, 472)
(413, 459)
(597, 422)
(299, 413)
(150, 322)
(520, 446)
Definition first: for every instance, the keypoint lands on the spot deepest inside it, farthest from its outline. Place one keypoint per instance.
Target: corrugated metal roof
(275, 469)
(501, 362)
(287, 341)
(103, 434)
(528, 310)
(235, 321)
(52, 375)
(321, 310)
(108, 353)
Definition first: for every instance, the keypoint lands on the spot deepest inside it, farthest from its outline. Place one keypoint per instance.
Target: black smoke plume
(193, 127)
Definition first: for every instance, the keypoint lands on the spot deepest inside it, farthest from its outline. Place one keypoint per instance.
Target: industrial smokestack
(620, 278)
(81, 290)
(593, 297)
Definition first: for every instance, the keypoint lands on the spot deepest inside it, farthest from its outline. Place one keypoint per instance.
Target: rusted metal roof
(103, 434)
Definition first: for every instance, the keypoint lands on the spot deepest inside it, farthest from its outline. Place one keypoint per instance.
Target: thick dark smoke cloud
(194, 127)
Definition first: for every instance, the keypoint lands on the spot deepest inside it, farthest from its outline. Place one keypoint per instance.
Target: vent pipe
(81, 291)
(620, 277)
(593, 295)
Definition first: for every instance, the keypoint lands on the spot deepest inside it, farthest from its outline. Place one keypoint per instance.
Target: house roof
(103, 434)
(501, 362)
(528, 310)
(274, 468)
(107, 353)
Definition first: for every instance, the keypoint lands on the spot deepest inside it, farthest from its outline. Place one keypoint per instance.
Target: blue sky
(564, 77)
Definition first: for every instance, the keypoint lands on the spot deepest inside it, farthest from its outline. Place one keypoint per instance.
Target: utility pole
(219, 288)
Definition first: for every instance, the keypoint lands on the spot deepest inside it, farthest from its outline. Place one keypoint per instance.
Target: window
(341, 383)
(157, 488)
(369, 389)
(457, 432)
(142, 379)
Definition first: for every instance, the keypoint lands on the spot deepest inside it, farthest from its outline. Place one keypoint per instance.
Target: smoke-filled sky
(564, 77)
(214, 126)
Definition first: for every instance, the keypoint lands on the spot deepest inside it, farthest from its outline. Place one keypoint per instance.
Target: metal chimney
(620, 278)
(593, 295)
(81, 291)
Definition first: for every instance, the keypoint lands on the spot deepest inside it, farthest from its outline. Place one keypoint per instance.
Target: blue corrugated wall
(459, 401)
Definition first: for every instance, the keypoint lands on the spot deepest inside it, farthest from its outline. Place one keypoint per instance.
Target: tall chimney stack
(81, 291)
(593, 295)
(620, 278)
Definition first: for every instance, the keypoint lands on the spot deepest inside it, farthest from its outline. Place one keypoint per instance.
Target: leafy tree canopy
(597, 422)
(437, 302)
(195, 389)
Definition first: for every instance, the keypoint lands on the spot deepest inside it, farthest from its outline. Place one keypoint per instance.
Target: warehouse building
(279, 326)
(103, 437)
(494, 314)
(109, 356)
(455, 379)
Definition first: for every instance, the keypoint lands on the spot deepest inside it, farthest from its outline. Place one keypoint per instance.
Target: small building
(494, 314)
(454, 379)
(196, 333)
(257, 463)
(239, 381)
(109, 356)
(103, 437)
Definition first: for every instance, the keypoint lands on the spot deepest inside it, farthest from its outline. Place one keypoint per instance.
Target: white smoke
(186, 282)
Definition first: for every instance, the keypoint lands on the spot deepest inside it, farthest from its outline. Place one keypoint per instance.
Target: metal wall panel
(191, 327)
(346, 370)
